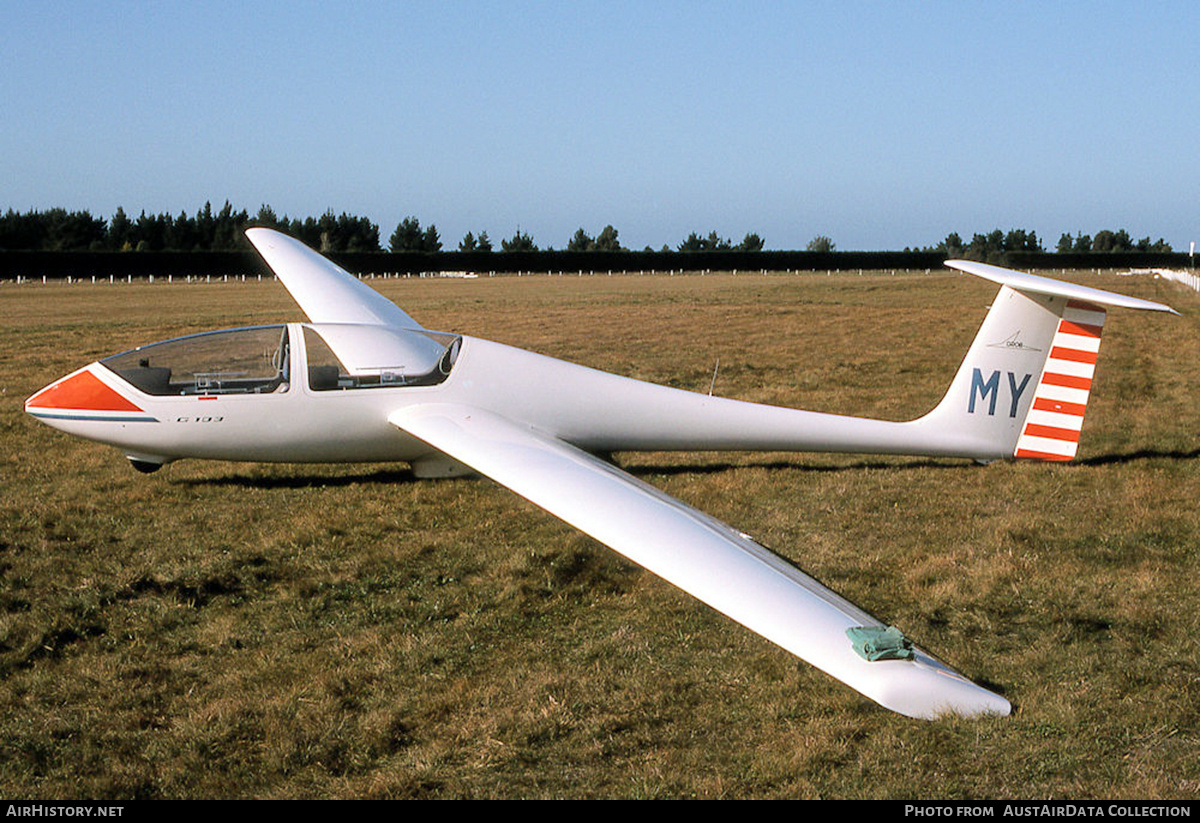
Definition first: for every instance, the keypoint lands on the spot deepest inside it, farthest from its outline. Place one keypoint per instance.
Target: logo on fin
(1013, 342)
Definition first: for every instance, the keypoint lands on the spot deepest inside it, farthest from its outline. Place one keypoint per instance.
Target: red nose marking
(82, 390)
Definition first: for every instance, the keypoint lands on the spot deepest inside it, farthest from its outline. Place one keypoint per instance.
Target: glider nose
(82, 397)
(54, 402)
(85, 405)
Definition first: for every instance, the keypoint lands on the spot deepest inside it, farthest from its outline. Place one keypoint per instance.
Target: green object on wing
(880, 643)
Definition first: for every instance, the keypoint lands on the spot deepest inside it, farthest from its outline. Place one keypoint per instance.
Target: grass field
(239, 630)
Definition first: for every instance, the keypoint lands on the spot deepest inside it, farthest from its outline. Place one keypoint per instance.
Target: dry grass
(220, 630)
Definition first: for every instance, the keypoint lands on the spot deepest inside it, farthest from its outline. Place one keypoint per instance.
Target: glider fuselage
(297, 420)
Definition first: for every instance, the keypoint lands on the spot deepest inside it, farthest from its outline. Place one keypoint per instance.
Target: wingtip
(932, 690)
(260, 236)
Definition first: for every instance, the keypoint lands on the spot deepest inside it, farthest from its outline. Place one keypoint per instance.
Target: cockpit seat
(322, 378)
(150, 379)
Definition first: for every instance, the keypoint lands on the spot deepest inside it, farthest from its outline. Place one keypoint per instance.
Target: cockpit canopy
(252, 360)
(257, 360)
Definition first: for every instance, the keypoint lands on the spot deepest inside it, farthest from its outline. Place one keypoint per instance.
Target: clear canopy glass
(256, 360)
(253, 360)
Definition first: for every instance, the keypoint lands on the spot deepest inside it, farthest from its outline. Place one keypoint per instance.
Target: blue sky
(881, 125)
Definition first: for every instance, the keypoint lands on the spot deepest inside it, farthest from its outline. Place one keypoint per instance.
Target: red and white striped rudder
(1055, 419)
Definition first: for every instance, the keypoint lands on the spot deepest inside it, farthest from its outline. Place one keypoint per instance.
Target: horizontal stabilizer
(1034, 284)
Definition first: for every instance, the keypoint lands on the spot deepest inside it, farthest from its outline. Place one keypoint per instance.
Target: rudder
(1055, 418)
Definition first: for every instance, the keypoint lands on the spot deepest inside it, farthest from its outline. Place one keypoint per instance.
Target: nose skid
(146, 463)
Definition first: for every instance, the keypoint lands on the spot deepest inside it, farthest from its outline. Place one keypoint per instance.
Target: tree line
(208, 230)
(58, 229)
(996, 244)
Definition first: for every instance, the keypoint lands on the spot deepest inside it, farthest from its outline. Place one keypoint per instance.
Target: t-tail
(1024, 385)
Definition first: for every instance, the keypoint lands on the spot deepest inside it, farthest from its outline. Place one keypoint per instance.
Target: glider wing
(712, 561)
(325, 291)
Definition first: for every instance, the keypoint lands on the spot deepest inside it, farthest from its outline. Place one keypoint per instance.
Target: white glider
(363, 381)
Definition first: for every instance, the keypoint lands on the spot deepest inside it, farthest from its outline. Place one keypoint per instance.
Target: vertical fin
(991, 394)
(1055, 418)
